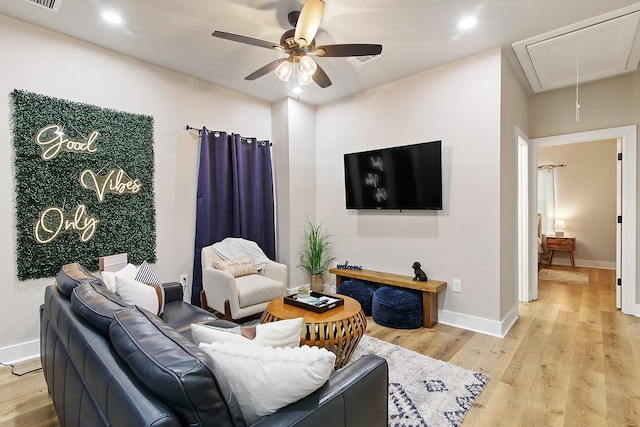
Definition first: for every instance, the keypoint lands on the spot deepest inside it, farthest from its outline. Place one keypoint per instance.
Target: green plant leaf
(316, 250)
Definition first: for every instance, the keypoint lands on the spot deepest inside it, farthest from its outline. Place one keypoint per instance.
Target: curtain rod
(550, 166)
(189, 128)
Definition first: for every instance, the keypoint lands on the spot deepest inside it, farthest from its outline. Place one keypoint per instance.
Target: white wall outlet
(184, 280)
(457, 285)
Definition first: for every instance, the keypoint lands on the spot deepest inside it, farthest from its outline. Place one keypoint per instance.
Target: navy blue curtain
(235, 195)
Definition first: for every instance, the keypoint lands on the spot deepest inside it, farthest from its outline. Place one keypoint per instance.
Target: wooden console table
(429, 288)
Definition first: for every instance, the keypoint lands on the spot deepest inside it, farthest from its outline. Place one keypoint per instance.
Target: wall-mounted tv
(407, 177)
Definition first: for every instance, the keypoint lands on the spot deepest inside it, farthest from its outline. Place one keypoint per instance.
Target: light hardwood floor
(571, 359)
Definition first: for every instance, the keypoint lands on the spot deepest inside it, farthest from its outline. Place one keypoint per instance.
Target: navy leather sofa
(167, 380)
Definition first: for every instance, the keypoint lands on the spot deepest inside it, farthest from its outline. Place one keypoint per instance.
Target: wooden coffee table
(338, 330)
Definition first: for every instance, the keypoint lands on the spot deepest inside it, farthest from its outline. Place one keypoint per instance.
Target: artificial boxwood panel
(125, 217)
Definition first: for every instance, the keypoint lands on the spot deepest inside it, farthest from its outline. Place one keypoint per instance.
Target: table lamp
(559, 227)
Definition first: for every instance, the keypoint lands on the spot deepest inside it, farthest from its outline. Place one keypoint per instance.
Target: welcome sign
(84, 184)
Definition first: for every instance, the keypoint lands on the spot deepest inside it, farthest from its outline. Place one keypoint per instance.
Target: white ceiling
(416, 35)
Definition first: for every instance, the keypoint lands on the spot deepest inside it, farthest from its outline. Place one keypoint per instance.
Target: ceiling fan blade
(321, 78)
(335, 50)
(308, 22)
(246, 40)
(266, 69)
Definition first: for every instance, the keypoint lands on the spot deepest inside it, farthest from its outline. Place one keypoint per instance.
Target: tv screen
(407, 177)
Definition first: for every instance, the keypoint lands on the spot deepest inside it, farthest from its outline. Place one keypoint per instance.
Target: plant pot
(317, 282)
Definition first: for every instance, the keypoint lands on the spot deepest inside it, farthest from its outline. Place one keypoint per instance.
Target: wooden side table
(561, 244)
(339, 330)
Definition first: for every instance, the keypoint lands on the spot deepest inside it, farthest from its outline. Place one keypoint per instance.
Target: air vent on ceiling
(361, 60)
(594, 49)
(52, 5)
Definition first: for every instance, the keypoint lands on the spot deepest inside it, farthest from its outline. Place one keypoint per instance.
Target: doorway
(626, 285)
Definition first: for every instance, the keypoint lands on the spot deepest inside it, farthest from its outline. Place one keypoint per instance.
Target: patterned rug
(564, 276)
(424, 391)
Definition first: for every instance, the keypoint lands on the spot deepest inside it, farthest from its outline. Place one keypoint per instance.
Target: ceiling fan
(298, 43)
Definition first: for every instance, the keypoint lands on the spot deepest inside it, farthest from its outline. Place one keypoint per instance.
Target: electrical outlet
(457, 285)
(184, 279)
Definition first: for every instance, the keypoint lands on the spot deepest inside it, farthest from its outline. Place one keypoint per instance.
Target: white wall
(514, 112)
(459, 104)
(48, 63)
(294, 141)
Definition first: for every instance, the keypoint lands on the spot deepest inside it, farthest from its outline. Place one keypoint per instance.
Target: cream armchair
(239, 297)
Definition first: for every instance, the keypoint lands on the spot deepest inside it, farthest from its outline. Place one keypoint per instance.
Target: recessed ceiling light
(296, 90)
(112, 17)
(467, 23)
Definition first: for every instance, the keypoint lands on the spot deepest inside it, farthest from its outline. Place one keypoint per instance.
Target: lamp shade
(303, 77)
(308, 65)
(283, 72)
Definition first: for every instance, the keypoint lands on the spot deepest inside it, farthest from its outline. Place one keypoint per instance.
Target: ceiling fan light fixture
(308, 22)
(308, 65)
(304, 78)
(283, 72)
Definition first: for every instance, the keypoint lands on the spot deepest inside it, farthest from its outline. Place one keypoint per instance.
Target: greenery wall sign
(84, 184)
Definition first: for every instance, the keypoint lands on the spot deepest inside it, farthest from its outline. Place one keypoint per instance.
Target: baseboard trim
(479, 324)
(607, 265)
(19, 352)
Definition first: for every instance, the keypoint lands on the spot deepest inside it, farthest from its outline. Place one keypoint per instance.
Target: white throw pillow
(129, 271)
(284, 333)
(265, 379)
(137, 293)
(237, 267)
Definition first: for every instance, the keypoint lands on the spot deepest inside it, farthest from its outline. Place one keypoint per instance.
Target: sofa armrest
(278, 272)
(356, 396)
(172, 292)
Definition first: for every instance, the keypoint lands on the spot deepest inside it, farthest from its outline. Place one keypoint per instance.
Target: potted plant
(316, 253)
(304, 292)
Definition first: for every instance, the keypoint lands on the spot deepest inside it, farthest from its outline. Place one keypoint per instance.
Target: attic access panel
(601, 47)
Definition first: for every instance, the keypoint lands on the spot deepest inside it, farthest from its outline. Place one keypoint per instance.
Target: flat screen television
(407, 177)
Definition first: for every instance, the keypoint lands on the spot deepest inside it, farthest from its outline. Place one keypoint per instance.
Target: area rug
(424, 391)
(564, 276)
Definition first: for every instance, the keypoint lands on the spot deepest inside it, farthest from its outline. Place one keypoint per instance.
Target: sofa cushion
(265, 379)
(71, 275)
(255, 289)
(96, 304)
(174, 369)
(237, 267)
(284, 333)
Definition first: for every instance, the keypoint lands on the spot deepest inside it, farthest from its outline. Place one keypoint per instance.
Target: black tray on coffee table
(311, 304)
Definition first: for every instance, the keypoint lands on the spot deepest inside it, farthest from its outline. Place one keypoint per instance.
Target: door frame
(628, 137)
(523, 245)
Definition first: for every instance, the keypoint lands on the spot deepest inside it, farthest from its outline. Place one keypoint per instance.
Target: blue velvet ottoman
(360, 291)
(397, 308)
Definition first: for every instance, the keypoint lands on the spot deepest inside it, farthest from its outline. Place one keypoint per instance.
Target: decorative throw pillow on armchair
(237, 267)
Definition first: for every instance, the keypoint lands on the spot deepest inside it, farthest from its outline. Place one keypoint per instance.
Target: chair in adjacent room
(236, 288)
